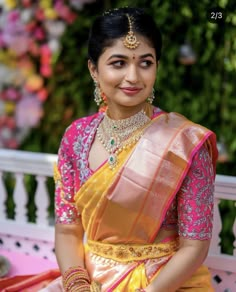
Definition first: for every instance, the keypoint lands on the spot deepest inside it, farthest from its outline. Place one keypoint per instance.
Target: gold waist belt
(131, 252)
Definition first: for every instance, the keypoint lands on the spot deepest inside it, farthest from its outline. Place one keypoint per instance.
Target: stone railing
(38, 238)
(18, 234)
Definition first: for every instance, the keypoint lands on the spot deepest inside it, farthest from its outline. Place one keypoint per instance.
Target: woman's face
(126, 76)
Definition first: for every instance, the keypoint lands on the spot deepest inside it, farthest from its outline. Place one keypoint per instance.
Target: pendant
(112, 160)
(112, 142)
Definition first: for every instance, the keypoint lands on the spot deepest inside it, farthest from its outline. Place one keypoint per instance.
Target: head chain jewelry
(130, 40)
(110, 12)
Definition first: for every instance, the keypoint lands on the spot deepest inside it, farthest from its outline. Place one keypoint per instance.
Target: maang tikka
(130, 40)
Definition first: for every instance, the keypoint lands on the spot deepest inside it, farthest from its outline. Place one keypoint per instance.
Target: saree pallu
(123, 209)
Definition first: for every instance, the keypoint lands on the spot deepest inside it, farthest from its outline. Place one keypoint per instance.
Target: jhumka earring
(97, 94)
(151, 97)
(99, 97)
(130, 40)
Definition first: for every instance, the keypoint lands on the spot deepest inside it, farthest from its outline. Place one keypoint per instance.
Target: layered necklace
(117, 135)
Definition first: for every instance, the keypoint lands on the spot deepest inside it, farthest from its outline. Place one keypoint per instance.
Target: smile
(130, 90)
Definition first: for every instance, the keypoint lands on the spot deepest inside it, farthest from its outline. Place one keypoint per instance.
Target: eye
(146, 63)
(118, 63)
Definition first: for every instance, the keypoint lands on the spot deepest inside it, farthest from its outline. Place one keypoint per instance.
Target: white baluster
(41, 201)
(20, 198)
(217, 226)
(234, 233)
(3, 197)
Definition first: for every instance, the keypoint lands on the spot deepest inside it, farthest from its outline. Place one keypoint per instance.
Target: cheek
(110, 78)
(152, 77)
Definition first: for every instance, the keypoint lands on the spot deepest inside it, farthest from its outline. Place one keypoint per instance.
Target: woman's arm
(182, 265)
(195, 217)
(69, 246)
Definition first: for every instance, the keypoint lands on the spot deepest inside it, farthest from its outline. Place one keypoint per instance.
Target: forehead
(117, 47)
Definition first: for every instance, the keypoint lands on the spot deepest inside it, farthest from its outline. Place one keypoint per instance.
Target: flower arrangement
(30, 34)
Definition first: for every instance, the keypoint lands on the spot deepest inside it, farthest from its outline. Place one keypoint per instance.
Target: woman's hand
(181, 266)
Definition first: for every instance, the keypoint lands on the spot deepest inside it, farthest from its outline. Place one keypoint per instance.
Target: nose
(132, 74)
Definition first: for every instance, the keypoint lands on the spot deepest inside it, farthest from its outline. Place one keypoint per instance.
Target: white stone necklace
(116, 135)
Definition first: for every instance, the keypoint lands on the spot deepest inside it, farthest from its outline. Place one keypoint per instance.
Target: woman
(137, 181)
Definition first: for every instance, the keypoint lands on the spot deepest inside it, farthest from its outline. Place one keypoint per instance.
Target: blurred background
(45, 84)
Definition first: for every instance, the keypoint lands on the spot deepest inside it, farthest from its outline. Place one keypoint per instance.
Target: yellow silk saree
(122, 210)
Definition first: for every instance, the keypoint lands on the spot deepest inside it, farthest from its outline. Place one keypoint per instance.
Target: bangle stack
(76, 279)
(95, 287)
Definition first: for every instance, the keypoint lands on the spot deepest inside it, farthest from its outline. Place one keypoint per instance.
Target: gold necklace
(117, 135)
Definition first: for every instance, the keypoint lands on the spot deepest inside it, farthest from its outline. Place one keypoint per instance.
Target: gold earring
(151, 97)
(97, 94)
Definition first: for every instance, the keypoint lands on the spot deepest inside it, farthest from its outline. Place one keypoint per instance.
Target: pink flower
(13, 15)
(33, 48)
(45, 55)
(10, 122)
(46, 70)
(30, 26)
(12, 94)
(39, 14)
(28, 112)
(19, 45)
(1, 40)
(64, 12)
(26, 3)
(12, 143)
(2, 121)
(42, 94)
(45, 59)
(39, 33)
(3, 95)
(45, 50)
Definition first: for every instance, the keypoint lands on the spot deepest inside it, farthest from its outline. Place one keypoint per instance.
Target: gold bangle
(95, 287)
(75, 275)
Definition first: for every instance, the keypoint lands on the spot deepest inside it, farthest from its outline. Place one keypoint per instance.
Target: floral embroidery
(128, 252)
(73, 166)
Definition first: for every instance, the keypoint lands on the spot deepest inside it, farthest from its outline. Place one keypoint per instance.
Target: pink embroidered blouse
(191, 211)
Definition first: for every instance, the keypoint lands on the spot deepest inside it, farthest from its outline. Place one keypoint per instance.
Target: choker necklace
(116, 135)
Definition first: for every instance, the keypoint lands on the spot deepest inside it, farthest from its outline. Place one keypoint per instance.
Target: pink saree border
(202, 141)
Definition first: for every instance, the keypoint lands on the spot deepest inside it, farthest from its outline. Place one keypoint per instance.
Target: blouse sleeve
(195, 198)
(65, 209)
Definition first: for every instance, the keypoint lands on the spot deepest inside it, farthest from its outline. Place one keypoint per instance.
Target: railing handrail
(27, 162)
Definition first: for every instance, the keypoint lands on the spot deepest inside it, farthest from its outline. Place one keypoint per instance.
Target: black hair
(114, 24)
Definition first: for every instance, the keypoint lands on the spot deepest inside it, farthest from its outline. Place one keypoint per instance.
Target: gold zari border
(132, 252)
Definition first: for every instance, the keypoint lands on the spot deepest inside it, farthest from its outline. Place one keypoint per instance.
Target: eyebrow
(125, 57)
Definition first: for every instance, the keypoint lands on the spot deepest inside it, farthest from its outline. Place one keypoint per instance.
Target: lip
(130, 90)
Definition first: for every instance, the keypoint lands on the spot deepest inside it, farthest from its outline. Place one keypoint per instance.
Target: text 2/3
(216, 15)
